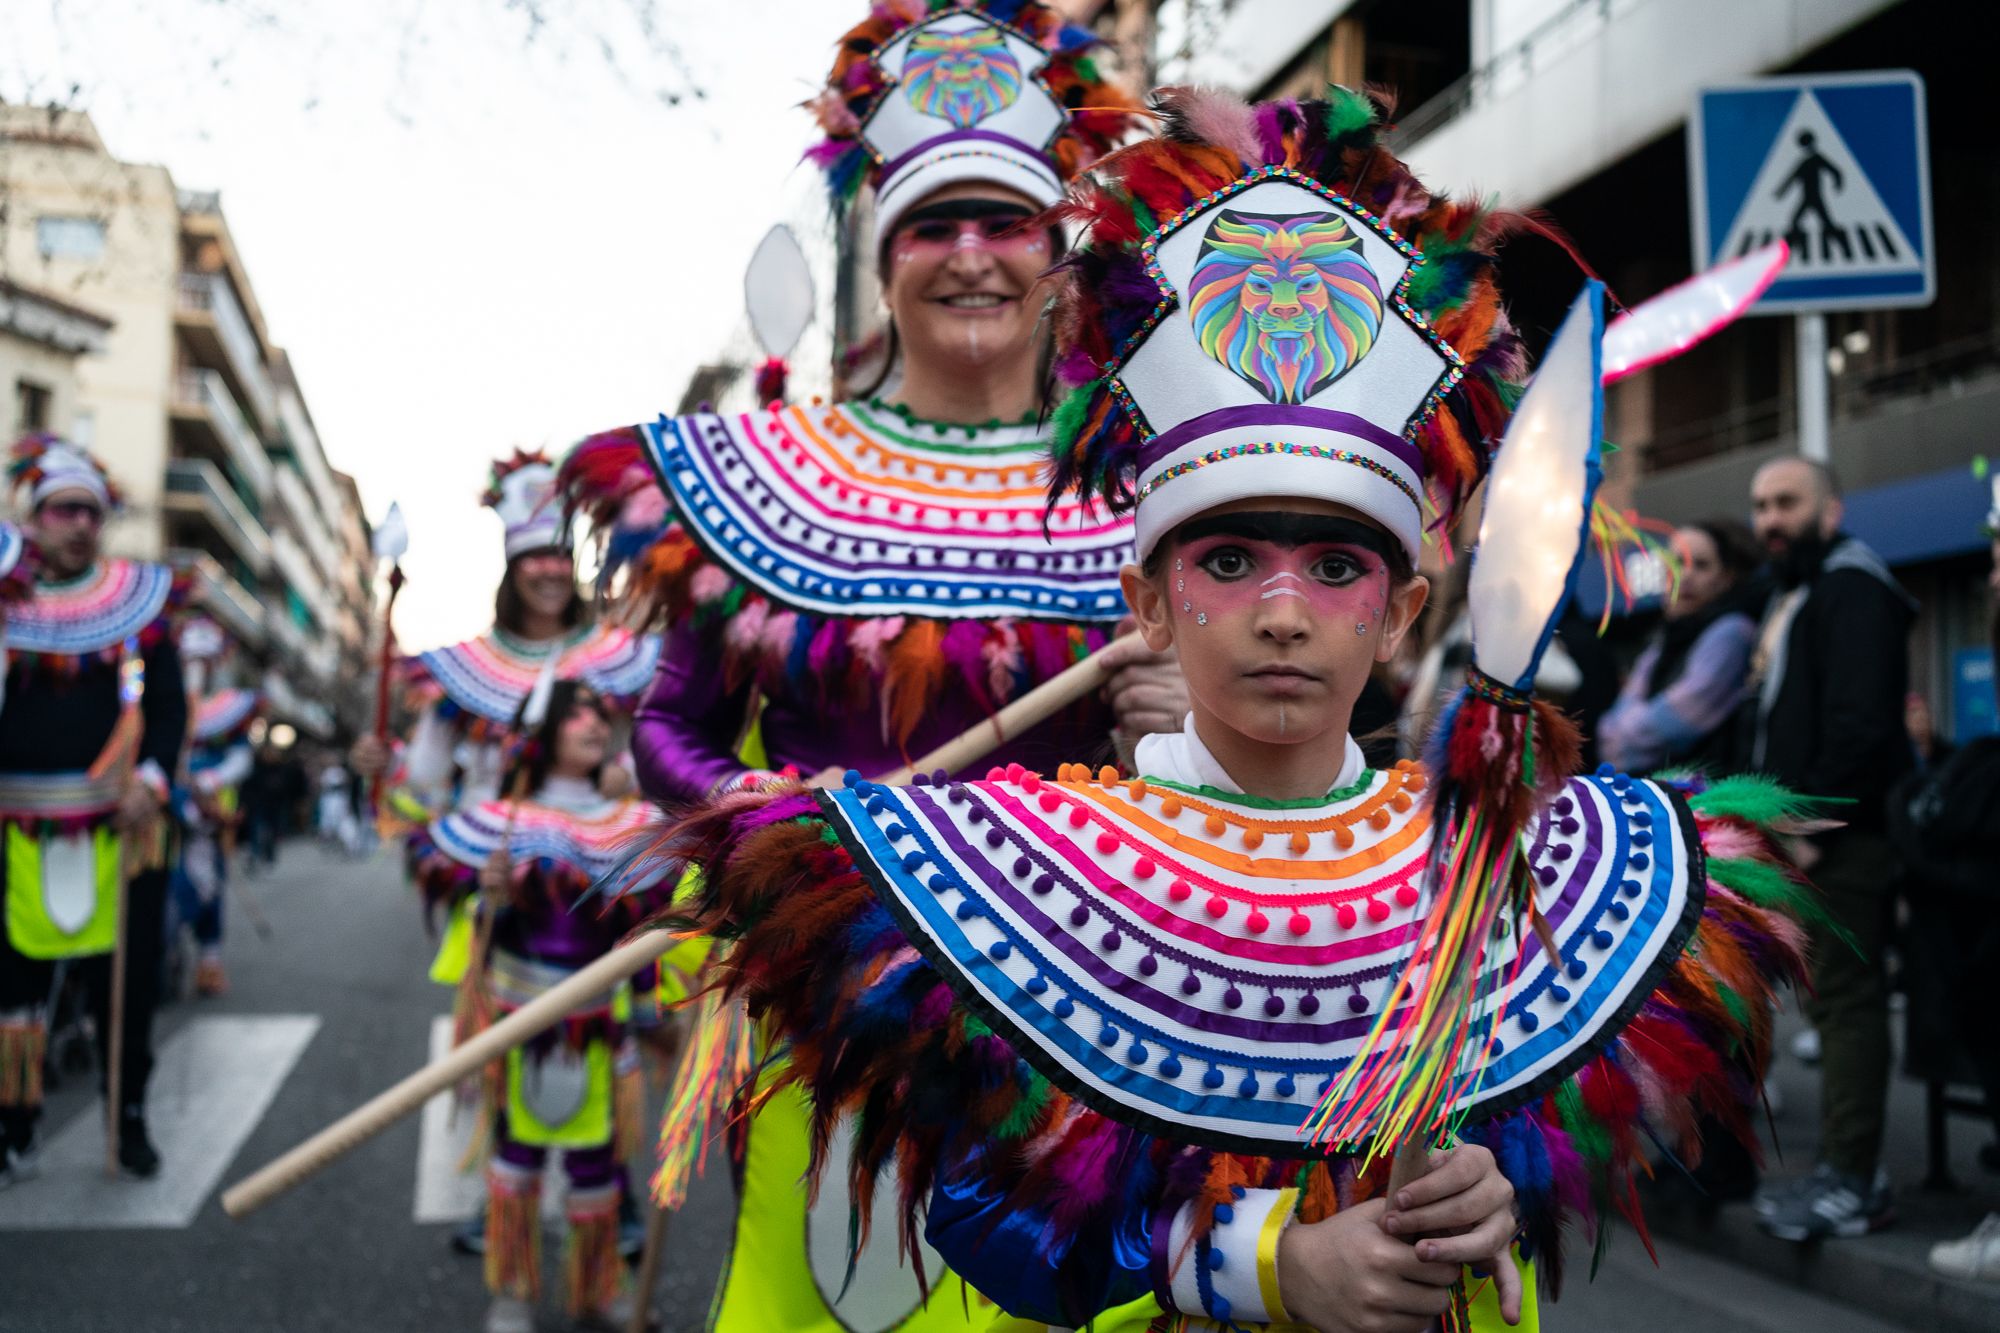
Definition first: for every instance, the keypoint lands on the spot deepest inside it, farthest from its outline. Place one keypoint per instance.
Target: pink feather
(1219, 117)
(870, 640)
(747, 625)
(709, 584)
(1002, 650)
(645, 508)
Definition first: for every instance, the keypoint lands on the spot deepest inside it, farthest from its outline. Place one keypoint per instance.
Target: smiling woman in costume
(1098, 1027)
(877, 574)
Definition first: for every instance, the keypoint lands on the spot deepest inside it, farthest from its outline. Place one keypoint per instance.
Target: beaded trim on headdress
(975, 88)
(92, 616)
(489, 677)
(1399, 362)
(1203, 965)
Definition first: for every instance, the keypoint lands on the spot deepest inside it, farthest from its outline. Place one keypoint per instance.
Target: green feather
(1769, 885)
(1347, 112)
(1142, 215)
(1086, 69)
(1755, 800)
(1070, 414)
(1020, 1118)
(1593, 1144)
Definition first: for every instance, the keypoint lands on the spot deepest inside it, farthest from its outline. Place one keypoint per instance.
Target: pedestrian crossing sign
(1836, 164)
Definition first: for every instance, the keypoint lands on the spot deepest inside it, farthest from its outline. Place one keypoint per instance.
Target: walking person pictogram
(1811, 176)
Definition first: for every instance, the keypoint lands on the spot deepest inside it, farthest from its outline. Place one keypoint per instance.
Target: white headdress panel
(529, 508)
(965, 102)
(1282, 337)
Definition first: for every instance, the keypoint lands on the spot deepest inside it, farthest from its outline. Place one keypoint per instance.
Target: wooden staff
(115, 1039)
(382, 681)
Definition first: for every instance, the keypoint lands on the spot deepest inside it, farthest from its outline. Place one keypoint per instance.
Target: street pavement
(333, 1007)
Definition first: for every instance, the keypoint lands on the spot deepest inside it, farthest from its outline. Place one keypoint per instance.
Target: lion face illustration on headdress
(962, 76)
(1288, 303)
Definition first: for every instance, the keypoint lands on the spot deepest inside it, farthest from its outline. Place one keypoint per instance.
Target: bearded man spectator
(1826, 718)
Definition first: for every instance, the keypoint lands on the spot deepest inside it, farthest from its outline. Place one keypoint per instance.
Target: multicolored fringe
(1208, 140)
(820, 959)
(718, 1065)
(66, 666)
(24, 1041)
(593, 1273)
(1500, 755)
(1101, 114)
(514, 1232)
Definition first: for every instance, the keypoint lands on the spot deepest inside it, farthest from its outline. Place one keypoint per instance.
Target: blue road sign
(1837, 164)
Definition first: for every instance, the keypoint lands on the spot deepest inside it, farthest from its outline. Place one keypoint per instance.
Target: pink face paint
(1334, 582)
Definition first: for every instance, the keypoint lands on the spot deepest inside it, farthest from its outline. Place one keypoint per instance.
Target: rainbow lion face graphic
(962, 76)
(1288, 302)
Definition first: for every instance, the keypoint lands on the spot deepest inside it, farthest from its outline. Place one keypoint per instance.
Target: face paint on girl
(1332, 568)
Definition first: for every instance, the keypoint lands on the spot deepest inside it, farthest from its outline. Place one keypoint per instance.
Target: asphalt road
(346, 1252)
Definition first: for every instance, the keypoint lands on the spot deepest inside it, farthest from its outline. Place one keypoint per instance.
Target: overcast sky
(471, 230)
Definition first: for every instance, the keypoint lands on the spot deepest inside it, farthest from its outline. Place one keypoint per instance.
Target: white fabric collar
(1180, 756)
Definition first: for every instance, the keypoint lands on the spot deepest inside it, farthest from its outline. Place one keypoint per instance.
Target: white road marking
(213, 1082)
(444, 1193)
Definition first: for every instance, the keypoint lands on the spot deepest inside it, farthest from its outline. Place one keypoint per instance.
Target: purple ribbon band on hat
(901, 160)
(1269, 414)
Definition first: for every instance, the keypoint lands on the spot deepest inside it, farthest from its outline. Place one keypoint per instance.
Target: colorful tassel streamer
(514, 1232)
(1504, 753)
(593, 1273)
(718, 1064)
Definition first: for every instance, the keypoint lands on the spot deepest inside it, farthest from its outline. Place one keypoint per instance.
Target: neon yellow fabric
(30, 927)
(680, 967)
(769, 1282)
(454, 952)
(589, 1127)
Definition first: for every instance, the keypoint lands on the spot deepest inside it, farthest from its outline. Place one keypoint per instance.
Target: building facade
(194, 408)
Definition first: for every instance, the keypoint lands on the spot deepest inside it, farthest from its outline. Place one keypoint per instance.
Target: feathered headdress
(41, 465)
(522, 490)
(1266, 297)
(925, 93)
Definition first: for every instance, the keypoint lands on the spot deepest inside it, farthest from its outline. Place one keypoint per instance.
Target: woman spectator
(1685, 687)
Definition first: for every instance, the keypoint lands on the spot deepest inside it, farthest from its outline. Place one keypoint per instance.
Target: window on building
(70, 237)
(32, 405)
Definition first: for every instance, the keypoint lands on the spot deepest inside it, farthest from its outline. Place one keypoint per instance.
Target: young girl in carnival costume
(219, 758)
(883, 574)
(1138, 1051)
(534, 856)
(90, 737)
(467, 695)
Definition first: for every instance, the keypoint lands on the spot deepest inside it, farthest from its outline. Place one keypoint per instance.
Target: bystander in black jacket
(1827, 718)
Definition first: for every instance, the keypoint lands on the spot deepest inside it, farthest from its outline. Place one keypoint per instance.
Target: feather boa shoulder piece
(885, 1030)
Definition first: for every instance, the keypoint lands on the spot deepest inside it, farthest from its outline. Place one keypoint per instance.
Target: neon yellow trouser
(770, 1282)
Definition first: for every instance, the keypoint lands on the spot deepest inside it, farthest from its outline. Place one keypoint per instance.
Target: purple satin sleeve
(684, 734)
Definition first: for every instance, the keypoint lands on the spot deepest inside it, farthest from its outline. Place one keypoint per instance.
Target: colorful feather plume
(1208, 139)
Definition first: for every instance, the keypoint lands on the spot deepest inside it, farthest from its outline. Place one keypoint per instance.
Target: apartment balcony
(308, 524)
(298, 573)
(215, 325)
(202, 404)
(195, 488)
(219, 594)
(1597, 79)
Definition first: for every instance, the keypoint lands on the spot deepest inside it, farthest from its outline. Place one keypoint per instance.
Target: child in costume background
(578, 1089)
(1086, 1019)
